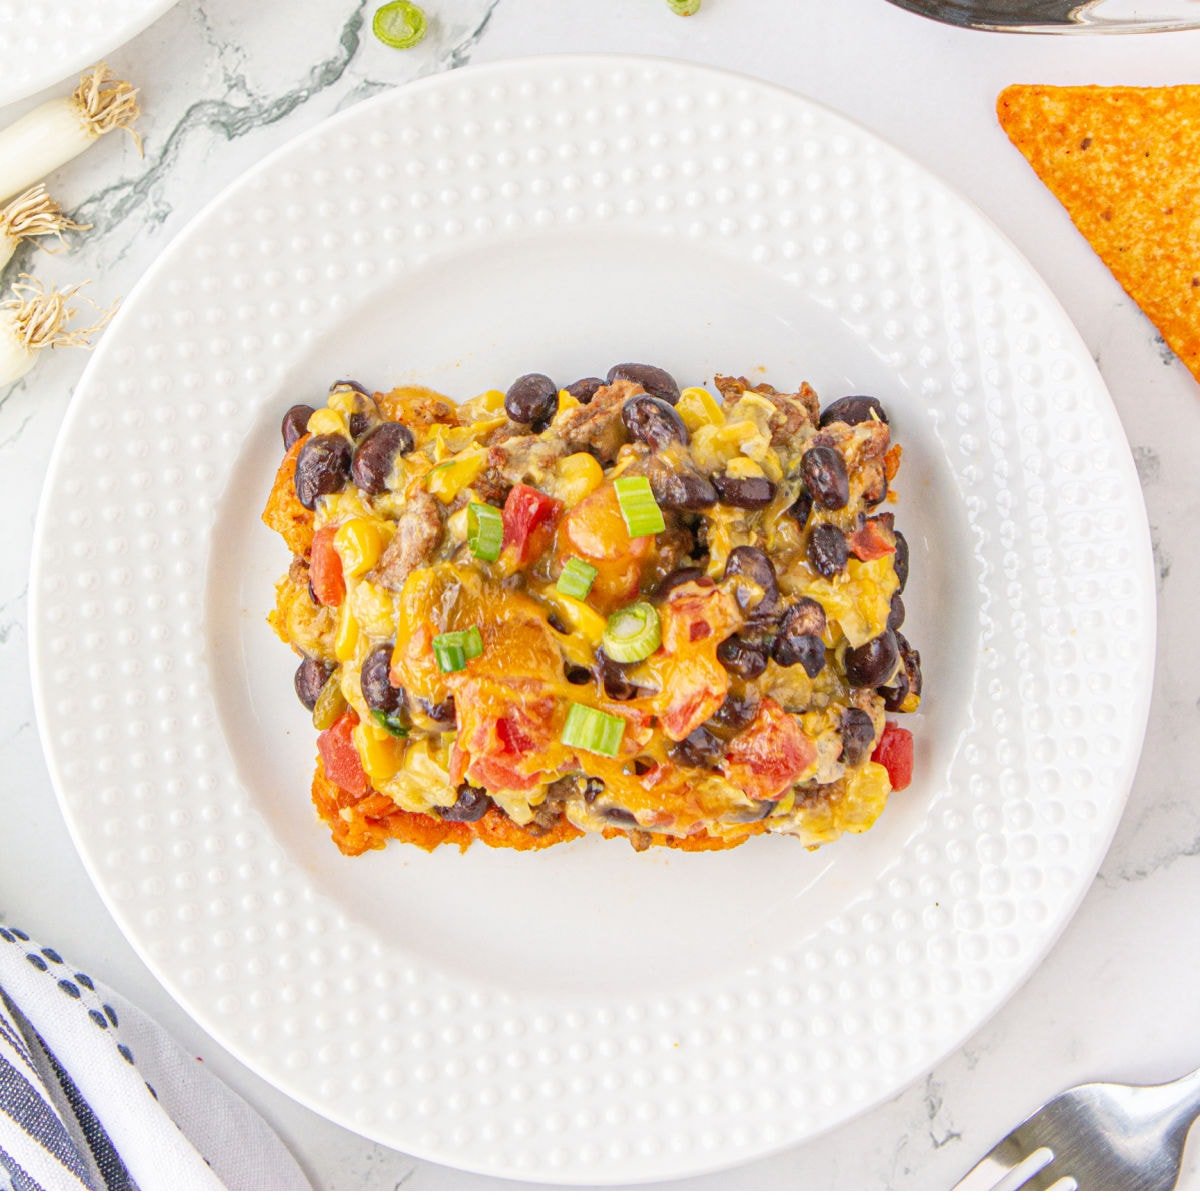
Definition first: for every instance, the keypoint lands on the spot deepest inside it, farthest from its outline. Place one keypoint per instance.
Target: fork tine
(1047, 1179)
(992, 1168)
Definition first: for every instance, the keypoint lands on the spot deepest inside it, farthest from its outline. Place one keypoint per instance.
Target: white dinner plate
(589, 1014)
(45, 41)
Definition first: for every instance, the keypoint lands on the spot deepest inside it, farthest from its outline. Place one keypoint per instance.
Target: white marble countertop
(224, 82)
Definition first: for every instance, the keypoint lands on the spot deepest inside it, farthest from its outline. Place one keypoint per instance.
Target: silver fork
(1061, 16)
(1096, 1137)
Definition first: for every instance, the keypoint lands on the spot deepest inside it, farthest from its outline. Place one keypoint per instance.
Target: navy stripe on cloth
(25, 1105)
(108, 1162)
(20, 1181)
(18, 1047)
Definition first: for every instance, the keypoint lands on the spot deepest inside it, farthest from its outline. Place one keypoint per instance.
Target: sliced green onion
(485, 530)
(590, 729)
(391, 722)
(638, 506)
(633, 634)
(576, 578)
(400, 25)
(684, 8)
(454, 650)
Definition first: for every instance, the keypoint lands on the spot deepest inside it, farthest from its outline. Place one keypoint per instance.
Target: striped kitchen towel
(95, 1096)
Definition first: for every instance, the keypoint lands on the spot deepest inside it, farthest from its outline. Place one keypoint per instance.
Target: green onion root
(55, 132)
(34, 213)
(34, 320)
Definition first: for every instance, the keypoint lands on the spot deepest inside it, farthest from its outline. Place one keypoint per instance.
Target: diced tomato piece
(891, 461)
(340, 756)
(770, 754)
(696, 612)
(873, 540)
(325, 568)
(895, 753)
(503, 747)
(694, 688)
(529, 520)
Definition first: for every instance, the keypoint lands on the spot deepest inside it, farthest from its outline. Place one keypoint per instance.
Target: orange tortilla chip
(367, 822)
(1125, 164)
(284, 512)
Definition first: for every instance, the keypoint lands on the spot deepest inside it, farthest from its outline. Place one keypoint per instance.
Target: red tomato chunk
(340, 756)
(895, 753)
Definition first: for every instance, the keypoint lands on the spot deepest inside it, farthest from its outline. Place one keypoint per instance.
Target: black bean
(348, 385)
(654, 379)
(700, 748)
(592, 789)
(896, 611)
(532, 400)
(322, 467)
(375, 458)
(804, 617)
(470, 803)
(555, 622)
(295, 424)
(612, 676)
(311, 676)
(619, 816)
(854, 410)
(900, 564)
(858, 732)
(680, 490)
(677, 577)
(908, 681)
(377, 688)
(801, 509)
(873, 663)
(359, 423)
(584, 390)
(742, 657)
(736, 712)
(760, 812)
(577, 674)
(799, 649)
(755, 491)
(824, 472)
(654, 422)
(761, 592)
(827, 550)
(440, 712)
(875, 484)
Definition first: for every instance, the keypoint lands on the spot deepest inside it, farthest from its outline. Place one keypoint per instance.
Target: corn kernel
(578, 476)
(345, 638)
(328, 420)
(359, 543)
(566, 401)
(743, 468)
(382, 754)
(449, 478)
(578, 616)
(491, 401)
(698, 407)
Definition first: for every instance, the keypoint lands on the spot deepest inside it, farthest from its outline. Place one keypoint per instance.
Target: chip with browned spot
(1125, 163)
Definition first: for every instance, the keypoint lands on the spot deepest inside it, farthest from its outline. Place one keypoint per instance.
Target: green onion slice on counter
(576, 578)
(485, 530)
(454, 650)
(633, 633)
(591, 729)
(684, 8)
(400, 25)
(638, 506)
